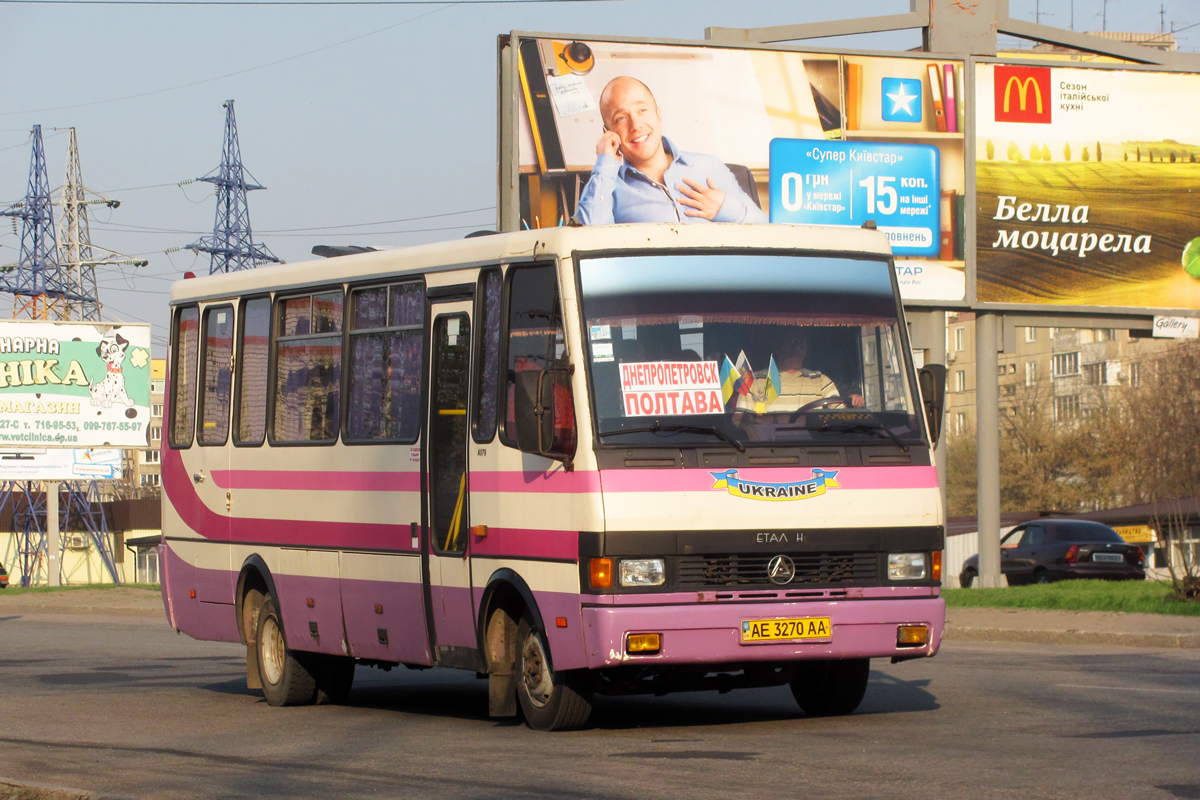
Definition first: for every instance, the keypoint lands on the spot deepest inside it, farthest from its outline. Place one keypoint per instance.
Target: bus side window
(183, 376)
(535, 331)
(386, 325)
(308, 368)
(217, 375)
(487, 379)
(254, 354)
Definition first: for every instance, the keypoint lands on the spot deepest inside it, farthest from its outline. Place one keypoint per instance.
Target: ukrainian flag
(729, 380)
(773, 382)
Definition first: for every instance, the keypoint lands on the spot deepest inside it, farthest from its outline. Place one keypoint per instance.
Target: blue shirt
(618, 192)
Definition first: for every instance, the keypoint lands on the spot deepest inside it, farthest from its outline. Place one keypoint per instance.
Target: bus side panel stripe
(526, 543)
(317, 480)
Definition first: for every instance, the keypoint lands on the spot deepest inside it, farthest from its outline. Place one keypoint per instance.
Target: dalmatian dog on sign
(112, 389)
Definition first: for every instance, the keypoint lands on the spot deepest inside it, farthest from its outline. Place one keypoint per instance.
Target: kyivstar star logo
(1022, 94)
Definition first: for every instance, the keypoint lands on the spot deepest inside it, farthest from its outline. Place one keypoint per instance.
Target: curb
(23, 790)
(96, 610)
(1168, 640)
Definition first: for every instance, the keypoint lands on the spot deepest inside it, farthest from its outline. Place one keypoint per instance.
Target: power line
(293, 2)
(228, 74)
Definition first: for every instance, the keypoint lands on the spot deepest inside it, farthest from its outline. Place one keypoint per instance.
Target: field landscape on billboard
(1086, 187)
(74, 385)
(748, 135)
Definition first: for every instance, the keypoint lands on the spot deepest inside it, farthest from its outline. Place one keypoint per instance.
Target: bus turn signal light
(935, 571)
(601, 573)
(646, 644)
(912, 636)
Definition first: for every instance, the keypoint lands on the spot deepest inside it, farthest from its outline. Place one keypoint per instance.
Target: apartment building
(1063, 370)
(145, 466)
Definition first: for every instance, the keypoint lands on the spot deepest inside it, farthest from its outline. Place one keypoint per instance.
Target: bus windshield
(745, 349)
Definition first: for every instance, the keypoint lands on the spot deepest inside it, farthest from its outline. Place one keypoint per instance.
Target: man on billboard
(641, 176)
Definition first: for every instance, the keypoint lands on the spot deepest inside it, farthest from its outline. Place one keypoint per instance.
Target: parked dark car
(1048, 550)
(3, 578)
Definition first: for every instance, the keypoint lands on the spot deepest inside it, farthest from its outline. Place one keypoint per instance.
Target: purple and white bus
(579, 461)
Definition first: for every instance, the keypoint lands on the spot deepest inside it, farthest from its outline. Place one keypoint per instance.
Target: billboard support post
(987, 399)
(53, 540)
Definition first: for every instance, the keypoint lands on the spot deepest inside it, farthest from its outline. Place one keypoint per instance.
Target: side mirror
(544, 411)
(932, 379)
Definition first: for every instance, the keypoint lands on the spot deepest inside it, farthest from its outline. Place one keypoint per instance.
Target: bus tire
(286, 680)
(335, 676)
(550, 701)
(831, 688)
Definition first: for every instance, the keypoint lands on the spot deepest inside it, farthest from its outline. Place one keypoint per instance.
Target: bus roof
(526, 245)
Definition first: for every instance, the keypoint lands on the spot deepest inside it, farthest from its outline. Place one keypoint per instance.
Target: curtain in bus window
(385, 363)
(218, 375)
(183, 376)
(308, 369)
(535, 333)
(489, 374)
(253, 358)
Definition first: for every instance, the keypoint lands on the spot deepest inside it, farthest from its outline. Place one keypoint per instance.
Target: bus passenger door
(209, 458)
(452, 609)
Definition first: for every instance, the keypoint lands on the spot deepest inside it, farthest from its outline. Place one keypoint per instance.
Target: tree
(1172, 156)
(1014, 152)
(991, 150)
(1098, 158)
(1045, 152)
(1067, 152)
(1035, 152)
(1139, 154)
(1084, 155)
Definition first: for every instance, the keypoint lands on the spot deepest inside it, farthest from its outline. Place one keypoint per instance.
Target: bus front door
(451, 606)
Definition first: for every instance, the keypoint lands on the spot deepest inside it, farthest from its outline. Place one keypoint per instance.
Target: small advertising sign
(1177, 328)
(74, 385)
(847, 183)
(60, 465)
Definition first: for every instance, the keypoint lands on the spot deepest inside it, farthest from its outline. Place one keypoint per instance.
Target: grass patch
(14, 589)
(1136, 597)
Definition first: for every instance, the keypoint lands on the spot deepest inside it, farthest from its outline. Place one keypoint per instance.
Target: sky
(368, 124)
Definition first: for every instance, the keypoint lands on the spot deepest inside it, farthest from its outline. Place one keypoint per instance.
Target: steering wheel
(824, 402)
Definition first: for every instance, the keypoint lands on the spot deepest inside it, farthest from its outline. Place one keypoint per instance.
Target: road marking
(1127, 688)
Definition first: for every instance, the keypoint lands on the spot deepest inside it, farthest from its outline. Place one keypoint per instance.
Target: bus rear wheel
(286, 681)
(550, 701)
(831, 688)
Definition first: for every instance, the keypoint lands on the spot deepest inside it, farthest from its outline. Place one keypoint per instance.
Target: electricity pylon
(232, 244)
(40, 286)
(43, 289)
(76, 253)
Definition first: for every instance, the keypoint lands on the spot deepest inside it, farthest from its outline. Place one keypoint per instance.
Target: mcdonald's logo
(1023, 94)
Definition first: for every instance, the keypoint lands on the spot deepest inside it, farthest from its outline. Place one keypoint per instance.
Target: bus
(577, 461)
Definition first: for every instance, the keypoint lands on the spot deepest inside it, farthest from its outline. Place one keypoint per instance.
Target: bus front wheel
(831, 688)
(286, 681)
(550, 701)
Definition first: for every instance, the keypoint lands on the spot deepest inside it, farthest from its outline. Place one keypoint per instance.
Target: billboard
(1086, 187)
(749, 135)
(60, 464)
(74, 385)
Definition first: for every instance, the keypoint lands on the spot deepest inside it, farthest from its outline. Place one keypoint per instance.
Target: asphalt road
(127, 707)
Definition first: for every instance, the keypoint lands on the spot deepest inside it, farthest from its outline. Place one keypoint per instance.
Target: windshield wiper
(657, 427)
(875, 426)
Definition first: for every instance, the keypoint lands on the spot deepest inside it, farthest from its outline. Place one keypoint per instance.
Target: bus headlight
(643, 572)
(906, 566)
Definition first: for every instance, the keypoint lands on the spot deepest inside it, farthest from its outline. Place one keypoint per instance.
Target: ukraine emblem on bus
(816, 486)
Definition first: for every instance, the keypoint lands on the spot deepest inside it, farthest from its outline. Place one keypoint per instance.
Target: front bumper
(702, 633)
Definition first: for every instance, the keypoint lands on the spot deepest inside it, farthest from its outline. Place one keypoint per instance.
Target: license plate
(786, 630)
(1112, 558)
